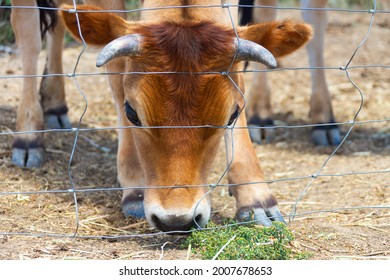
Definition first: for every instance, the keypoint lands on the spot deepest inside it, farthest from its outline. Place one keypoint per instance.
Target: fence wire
(74, 191)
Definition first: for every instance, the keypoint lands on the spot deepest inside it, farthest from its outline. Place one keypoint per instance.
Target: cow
(182, 93)
(43, 105)
(259, 110)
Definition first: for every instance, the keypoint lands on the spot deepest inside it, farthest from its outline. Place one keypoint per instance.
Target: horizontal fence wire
(230, 129)
(227, 5)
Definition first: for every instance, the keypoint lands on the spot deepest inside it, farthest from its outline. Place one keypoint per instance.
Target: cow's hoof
(261, 131)
(55, 121)
(28, 153)
(57, 118)
(260, 216)
(133, 206)
(28, 158)
(134, 209)
(326, 136)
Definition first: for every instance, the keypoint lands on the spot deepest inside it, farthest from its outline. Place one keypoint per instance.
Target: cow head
(179, 99)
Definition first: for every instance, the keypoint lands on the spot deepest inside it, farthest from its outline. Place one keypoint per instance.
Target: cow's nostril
(156, 221)
(175, 223)
(163, 226)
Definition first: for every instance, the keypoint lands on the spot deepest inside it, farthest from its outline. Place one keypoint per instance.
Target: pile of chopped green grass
(243, 242)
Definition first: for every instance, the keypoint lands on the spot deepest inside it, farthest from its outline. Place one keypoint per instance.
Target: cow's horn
(122, 46)
(250, 51)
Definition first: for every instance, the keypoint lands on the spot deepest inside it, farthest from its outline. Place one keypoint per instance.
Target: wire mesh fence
(326, 170)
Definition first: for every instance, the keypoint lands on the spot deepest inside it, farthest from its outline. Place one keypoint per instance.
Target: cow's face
(173, 148)
(184, 112)
(186, 89)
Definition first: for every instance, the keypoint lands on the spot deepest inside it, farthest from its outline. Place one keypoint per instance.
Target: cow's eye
(131, 114)
(234, 116)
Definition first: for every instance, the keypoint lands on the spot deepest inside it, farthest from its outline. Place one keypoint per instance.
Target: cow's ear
(97, 28)
(279, 37)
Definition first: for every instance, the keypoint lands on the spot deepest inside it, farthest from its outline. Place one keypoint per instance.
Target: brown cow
(165, 168)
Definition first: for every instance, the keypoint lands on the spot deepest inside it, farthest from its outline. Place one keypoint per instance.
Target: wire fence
(311, 178)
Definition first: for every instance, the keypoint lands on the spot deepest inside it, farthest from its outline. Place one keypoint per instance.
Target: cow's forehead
(186, 46)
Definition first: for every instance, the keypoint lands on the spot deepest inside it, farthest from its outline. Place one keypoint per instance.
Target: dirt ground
(338, 217)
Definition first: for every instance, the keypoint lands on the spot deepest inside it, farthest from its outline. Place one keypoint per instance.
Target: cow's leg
(28, 149)
(254, 200)
(130, 175)
(52, 88)
(259, 110)
(320, 104)
(259, 107)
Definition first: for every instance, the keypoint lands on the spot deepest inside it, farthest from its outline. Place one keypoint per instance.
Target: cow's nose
(177, 210)
(177, 223)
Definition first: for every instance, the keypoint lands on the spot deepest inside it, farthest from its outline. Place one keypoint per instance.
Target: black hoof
(262, 131)
(260, 215)
(263, 213)
(28, 154)
(133, 205)
(57, 118)
(57, 121)
(328, 135)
